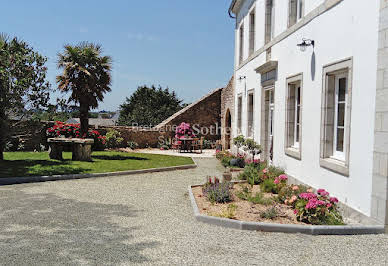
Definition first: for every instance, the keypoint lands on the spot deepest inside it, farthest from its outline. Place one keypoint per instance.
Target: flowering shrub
(289, 194)
(216, 191)
(61, 129)
(318, 208)
(184, 130)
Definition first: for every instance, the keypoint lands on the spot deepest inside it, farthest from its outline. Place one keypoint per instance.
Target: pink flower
(333, 200)
(294, 198)
(295, 211)
(277, 181)
(283, 177)
(295, 188)
(307, 196)
(265, 170)
(323, 192)
(310, 190)
(329, 205)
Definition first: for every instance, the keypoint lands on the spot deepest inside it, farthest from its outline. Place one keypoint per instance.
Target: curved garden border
(284, 228)
(32, 179)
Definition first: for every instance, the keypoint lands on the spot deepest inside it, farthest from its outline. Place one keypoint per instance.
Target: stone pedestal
(55, 151)
(82, 152)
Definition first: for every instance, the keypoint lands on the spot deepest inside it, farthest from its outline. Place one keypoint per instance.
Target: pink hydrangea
(277, 181)
(333, 200)
(265, 170)
(314, 203)
(323, 192)
(295, 188)
(283, 177)
(295, 211)
(329, 205)
(307, 196)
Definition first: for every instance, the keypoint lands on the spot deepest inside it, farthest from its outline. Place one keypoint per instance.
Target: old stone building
(227, 112)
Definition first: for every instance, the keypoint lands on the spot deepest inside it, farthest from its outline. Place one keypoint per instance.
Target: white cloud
(141, 37)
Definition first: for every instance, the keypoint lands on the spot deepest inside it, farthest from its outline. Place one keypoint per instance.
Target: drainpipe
(230, 9)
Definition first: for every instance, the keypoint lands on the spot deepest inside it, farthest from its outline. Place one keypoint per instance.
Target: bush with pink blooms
(184, 130)
(318, 208)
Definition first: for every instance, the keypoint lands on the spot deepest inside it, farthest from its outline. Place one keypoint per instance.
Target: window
(269, 16)
(250, 114)
(296, 11)
(336, 113)
(239, 114)
(252, 32)
(241, 51)
(294, 116)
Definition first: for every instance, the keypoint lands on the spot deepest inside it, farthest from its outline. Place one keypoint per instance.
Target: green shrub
(225, 161)
(268, 186)
(113, 139)
(270, 213)
(260, 199)
(239, 142)
(132, 145)
(252, 147)
(251, 174)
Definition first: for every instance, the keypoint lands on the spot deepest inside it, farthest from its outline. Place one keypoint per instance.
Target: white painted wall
(347, 30)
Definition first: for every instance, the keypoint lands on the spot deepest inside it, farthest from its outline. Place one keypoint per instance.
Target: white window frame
(340, 155)
(297, 106)
(329, 158)
(239, 114)
(292, 140)
(241, 43)
(299, 8)
(252, 31)
(250, 128)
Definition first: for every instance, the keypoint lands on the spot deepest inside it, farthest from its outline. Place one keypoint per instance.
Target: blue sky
(184, 44)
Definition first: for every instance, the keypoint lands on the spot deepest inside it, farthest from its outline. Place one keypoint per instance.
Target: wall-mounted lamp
(241, 78)
(305, 43)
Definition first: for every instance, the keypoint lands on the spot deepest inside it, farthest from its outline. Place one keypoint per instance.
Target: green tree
(87, 75)
(23, 85)
(149, 106)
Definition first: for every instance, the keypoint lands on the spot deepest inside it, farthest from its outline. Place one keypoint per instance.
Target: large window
(336, 114)
(250, 114)
(296, 11)
(239, 114)
(252, 22)
(294, 116)
(269, 17)
(241, 43)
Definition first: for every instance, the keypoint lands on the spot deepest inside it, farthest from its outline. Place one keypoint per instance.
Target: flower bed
(271, 200)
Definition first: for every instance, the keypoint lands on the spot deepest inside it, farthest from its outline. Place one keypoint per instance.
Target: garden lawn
(19, 164)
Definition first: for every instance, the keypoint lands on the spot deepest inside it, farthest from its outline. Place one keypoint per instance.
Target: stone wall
(143, 137)
(380, 155)
(203, 114)
(227, 114)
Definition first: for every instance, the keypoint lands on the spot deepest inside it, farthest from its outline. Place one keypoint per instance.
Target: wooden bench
(81, 148)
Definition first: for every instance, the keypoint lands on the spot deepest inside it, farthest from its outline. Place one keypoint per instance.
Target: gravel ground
(148, 219)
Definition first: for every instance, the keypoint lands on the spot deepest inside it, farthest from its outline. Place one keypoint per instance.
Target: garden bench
(81, 148)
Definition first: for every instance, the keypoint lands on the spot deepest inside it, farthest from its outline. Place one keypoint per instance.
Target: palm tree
(86, 73)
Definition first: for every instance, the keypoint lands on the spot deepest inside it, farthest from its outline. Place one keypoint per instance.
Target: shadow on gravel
(45, 229)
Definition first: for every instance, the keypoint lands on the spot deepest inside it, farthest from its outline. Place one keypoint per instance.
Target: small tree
(252, 147)
(149, 106)
(23, 85)
(86, 74)
(239, 142)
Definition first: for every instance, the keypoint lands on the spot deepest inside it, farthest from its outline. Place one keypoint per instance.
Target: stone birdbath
(81, 148)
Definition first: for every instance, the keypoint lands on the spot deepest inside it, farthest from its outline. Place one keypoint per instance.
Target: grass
(18, 164)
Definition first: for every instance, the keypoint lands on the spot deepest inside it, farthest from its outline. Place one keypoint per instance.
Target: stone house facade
(305, 89)
(227, 114)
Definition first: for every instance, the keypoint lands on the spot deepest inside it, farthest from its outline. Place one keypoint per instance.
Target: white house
(312, 88)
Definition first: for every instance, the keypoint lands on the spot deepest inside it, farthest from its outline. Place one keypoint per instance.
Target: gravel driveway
(148, 219)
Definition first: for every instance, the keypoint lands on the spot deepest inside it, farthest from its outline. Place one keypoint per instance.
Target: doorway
(228, 128)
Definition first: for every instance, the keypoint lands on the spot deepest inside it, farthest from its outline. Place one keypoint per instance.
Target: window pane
(341, 115)
(341, 89)
(340, 139)
(298, 114)
(298, 99)
(297, 133)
